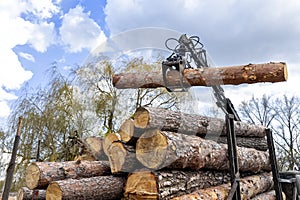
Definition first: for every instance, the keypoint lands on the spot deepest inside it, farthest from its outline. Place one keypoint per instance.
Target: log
(257, 143)
(168, 184)
(97, 188)
(122, 158)
(250, 187)
(157, 149)
(40, 174)
(233, 75)
(26, 194)
(167, 120)
(271, 195)
(129, 134)
(95, 147)
(108, 140)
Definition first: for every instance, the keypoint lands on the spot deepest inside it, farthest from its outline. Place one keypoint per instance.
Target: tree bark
(169, 184)
(122, 158)
(250, 187)
(108, 140)
(233, 75)
(157, 149)
(129, 133)
(40, 174)
(271, 195)
(26, 194)
(257, 143)
(96, 188)
(167, 120)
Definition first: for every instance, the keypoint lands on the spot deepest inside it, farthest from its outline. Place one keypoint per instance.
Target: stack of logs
(163, 154)
(160, 154)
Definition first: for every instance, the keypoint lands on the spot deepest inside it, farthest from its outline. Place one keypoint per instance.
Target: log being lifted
(96, 188)
(122, 158)
(168, 184)
(40, 174)
(233, 75)
(26, 194)
(148, 117)
(250, 187)
(157, 149)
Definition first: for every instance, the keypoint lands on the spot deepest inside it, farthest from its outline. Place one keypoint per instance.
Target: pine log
(109, 139)
(96, 188)
(95, 147)
(129, 133)
(157, 149)
(122, 158)
(26, 194)
(233, 75)
(250, 187)
(257, 143)
(167, 120)
(169, 184)
(271, 195)
(40, 174)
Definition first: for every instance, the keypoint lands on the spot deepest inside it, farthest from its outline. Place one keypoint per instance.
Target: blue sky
(36, 33)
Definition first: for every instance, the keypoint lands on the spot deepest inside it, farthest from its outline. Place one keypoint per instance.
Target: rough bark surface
(233, 75)
(40, 174)
(122, 158)
(26, 194)
(96, 188)
(257, 143)
(267, 196)
(147, 117)
(169, 184)
(250, 187)
(158, 149)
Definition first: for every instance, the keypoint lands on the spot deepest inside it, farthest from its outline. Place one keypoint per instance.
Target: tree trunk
(250, 187)
(169, 184)
(122, 158)
(167, 120)
(96, 188)
(108, 140)
(26, 194)
(129, 133)
(257, 143)
(267, 196)
(233, 75)
(158, 149)
(40, 174)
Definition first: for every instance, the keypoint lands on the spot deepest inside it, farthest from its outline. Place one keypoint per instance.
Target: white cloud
(79, 31)
(23, 22)
(27, 56)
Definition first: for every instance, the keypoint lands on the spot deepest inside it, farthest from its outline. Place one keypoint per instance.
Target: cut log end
(116, 154)
(141, 185)
(141, 118)
(54, 192)
(108, 140)
(127, 130)
(32, 176)
(151, 149)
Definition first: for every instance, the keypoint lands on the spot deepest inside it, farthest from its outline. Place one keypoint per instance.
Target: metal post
(234, 192)
(277, 185)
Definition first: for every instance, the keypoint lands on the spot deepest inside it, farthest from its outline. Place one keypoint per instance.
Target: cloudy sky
(36, 33)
